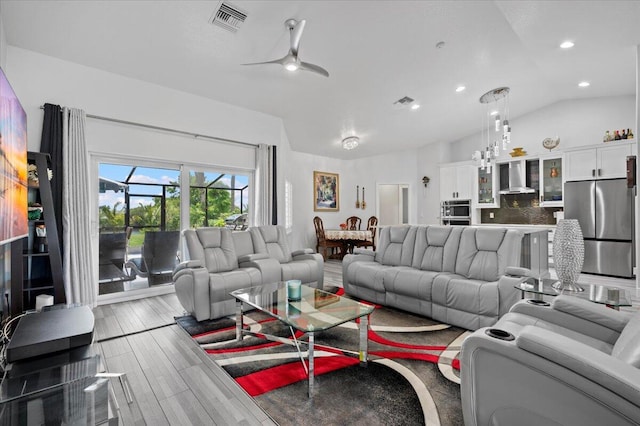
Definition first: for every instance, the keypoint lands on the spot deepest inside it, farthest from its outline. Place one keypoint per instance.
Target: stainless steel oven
(455, 212)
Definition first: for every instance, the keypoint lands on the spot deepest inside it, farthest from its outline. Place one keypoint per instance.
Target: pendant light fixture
(497, 127)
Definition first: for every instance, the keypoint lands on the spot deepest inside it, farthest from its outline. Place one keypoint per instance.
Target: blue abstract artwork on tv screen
(13, 165)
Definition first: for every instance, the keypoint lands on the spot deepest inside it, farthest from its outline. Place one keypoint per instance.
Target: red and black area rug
(412, 377)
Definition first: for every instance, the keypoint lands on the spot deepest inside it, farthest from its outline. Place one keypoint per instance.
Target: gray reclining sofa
(571, 362)
(451, 274)
(221, 261)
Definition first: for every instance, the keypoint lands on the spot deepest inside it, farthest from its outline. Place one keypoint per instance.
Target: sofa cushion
(627, 347)
(436, 248)
(367, 274)
(485, 253)
(213, 247)
(243, 244)
(271, 239)
(467, 295)
(408, 281)
(395, 246)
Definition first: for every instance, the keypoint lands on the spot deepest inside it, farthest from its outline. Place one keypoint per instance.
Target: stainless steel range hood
(516, 178)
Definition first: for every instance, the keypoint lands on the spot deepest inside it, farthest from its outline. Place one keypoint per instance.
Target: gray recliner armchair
(571, 362)
(204, 282)
(304, 265)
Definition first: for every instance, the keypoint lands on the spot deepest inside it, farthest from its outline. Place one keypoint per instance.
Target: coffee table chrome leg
(311, 369)
(364, 339)
(295, 340)
(238, 320)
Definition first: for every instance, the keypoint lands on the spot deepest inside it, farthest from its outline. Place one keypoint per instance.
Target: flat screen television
(13, 165)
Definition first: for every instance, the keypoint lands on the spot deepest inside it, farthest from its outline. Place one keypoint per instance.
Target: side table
(593, 292)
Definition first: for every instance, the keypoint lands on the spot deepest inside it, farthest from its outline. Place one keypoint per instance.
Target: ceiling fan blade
(275, 61)
(296, 35)
(314, 68)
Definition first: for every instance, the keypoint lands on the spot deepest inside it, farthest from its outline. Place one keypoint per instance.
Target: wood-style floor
(173, 380)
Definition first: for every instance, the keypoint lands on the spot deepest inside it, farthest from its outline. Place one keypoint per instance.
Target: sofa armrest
(192, 289)
(590, 311)
(269, 268)
(508, 294)
(360, 250)
(188, 264)
(518, 271)
(252, 257)
(309, 256)
(302, 251)
(601, 368)
(579, 315)
(500, 379)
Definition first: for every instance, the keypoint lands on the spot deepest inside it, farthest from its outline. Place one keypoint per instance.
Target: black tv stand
(51, 331)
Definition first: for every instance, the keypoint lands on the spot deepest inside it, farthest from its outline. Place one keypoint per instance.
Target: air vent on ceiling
(228, 17)
(403, 102)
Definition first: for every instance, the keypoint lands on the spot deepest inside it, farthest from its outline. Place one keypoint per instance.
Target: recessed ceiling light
(584, 84)
(492, 113)
(460, 89)
(567, 44)
(415, 106)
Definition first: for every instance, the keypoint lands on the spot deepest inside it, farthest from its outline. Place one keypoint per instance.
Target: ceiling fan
(291, 61)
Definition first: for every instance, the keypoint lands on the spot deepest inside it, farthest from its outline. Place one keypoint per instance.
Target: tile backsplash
(520, 209)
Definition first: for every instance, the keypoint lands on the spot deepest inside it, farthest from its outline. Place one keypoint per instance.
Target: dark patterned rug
(412, 377)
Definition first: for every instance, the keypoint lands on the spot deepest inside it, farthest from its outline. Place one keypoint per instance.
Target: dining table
(348, 237)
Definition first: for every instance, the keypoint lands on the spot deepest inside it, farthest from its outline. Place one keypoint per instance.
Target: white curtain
(79, 274)
(263, 186)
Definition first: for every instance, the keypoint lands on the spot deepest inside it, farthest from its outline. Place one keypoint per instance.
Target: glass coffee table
(593, 292)
(312, 311)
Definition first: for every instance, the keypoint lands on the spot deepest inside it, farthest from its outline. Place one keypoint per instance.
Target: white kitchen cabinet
(456, 182)
(603, 162)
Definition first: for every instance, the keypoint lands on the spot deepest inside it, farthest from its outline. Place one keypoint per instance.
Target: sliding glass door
(139, 226)
(139, 217)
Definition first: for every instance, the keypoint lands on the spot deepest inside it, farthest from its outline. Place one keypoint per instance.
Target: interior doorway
(392, 204)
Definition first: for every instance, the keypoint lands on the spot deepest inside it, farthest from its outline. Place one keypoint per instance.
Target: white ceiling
(375, 51)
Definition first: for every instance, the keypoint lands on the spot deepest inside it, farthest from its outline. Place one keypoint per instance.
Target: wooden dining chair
(353, 223)
(372, 225)
(322, 242)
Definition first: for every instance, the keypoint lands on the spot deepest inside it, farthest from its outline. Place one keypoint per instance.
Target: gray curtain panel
(79, 275)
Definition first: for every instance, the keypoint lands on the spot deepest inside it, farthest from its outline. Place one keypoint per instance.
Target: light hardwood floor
(176, 383)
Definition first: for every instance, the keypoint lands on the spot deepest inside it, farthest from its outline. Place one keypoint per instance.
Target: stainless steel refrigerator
(605, 211)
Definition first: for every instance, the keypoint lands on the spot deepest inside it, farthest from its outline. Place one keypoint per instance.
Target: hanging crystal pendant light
(500, 125)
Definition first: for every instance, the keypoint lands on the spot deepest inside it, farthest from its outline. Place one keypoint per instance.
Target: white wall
(39, 79)
(3, 42)
(577, 122)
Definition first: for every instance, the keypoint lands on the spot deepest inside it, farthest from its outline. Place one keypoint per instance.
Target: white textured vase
(568, 254)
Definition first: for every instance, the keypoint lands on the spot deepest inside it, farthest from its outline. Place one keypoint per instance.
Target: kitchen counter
(525, 228)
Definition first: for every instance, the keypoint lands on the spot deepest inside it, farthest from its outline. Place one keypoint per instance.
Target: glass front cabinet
(551, 182)
(486, 195)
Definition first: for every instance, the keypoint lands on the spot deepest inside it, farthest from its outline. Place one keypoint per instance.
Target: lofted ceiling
(375, 51)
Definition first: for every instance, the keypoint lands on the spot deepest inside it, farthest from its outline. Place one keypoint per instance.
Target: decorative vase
(568, 254)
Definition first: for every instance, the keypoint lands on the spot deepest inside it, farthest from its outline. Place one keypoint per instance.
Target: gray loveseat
(221, 261)
(451, 274)
(571, 362)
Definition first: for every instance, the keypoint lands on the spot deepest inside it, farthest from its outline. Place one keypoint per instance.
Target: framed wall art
(326, 192)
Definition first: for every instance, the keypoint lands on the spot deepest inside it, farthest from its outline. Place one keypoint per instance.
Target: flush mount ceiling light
(460, 89)
(351, 142)
(567, 44)
(584, 84)
(496, 128)
(415, 106)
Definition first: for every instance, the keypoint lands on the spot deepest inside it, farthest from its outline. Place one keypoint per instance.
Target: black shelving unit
(42, 261)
